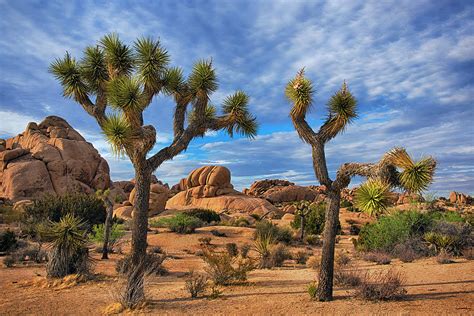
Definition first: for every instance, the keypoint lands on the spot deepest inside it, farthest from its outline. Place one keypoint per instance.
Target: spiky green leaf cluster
(342, 110)
(68, 233)
(174, 81)
(151, 60)
(94, 68)
(416, 176)
(239, 119)
(125, 93)
(419, 176)
(68, 72)
(209, 113)
(300, 91)
(119, 57)
(118, 132)
(372, 197)
(203, 78)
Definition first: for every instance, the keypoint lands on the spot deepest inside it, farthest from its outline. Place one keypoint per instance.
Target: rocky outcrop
(210, 187)
(279, 191)
(460, 198)
(158, 196)
(50, 158)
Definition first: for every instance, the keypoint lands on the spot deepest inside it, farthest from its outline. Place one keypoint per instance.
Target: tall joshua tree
(126, 79)
(395, 169)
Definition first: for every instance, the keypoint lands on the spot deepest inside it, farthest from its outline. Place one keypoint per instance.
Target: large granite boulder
(279, 191)
(460, 198)
(50, 158)
(210, 187)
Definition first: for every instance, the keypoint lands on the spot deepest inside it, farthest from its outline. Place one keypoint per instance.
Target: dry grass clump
(377, 257)
(342, 258)
(347, 277)
(381, 286)
(195, 284)
(444, 257)
(313, 262)
(278, 255)
(468, 253)
(223, 269)
(153, 264)
(301, 257)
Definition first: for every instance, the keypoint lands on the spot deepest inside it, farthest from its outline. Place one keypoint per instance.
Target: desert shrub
(381, 286)
(469, 218)
(8, 215)
(238, 222)
(217, 233)
(153, 264)
(377, 257)
(346, 203)
(205, 241)
(354, 230)
(232, 249)
(116, 233)
(313, 262)
(207, 216)
(390, 230)
(181, 223)
(347, 277)
(314, 221)
(256, 217)
(452, 236)
(216, 292)
(407, 256)
(468, 253)
(279, 234)
(278, 254)
(8, 241)
(313, 290)
(88, 208)
(444, 257)
(263, 244)
(411, 249)
(244, 250)
(31, 253)
(313, 240)
(69, 253)
(342, 258)
(195, 284)
(301, 257)
(223, 269)
(156, 249)
(448, 216)
(9, 261)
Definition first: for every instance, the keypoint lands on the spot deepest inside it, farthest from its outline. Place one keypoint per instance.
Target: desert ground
(431, 287)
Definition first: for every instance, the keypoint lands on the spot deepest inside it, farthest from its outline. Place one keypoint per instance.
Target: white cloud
(12, 123)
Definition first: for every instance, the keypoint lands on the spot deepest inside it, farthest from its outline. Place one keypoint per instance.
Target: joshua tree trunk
(329, 238)
(108, 227)
(303, 223)
(134, 291)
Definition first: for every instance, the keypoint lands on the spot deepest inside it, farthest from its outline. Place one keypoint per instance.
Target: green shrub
(116, 233)
(313, 290)
(313, 240)
(180, 223)
(314, 221)
(223, 269)
(263, 245)
(8, 241)
(390, 230)
(447, 216)
(88, 208)
(207, 216)
(278, 234)
(346, 203)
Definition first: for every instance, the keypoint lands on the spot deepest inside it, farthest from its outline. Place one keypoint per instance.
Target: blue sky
(409, 63)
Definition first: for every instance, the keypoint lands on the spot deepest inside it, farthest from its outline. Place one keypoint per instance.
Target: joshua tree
(384, 175)
(126, 79)
(302, 210)
(109, 207)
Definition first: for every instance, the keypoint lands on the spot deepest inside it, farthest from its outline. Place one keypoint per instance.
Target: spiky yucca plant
(126, 79)
(386, 174)
(69, 253)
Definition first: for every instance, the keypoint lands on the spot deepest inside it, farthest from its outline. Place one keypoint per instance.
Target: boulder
(460, 198)
(157, 201)
(279, 191)
(407, 198)
(124, 212)
(210, 187)
(21, 205)
(50, 158)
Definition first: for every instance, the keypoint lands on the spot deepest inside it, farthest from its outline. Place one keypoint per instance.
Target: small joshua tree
(104, 195)
(302, 210)
(395, 169)
(126, 79)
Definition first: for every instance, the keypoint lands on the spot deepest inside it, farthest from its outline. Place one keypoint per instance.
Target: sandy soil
(431, 288)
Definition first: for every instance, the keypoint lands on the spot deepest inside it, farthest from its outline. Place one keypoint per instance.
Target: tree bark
(327, 259)
(108, 227)
(135, 286)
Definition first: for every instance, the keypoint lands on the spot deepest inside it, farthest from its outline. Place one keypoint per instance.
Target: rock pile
(210, 187)
(279, 191)
(50, 158)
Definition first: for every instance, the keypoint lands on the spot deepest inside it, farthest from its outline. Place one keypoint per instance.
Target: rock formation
(278, 191)
(460, 198)
(50, 158)
(210, 187)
